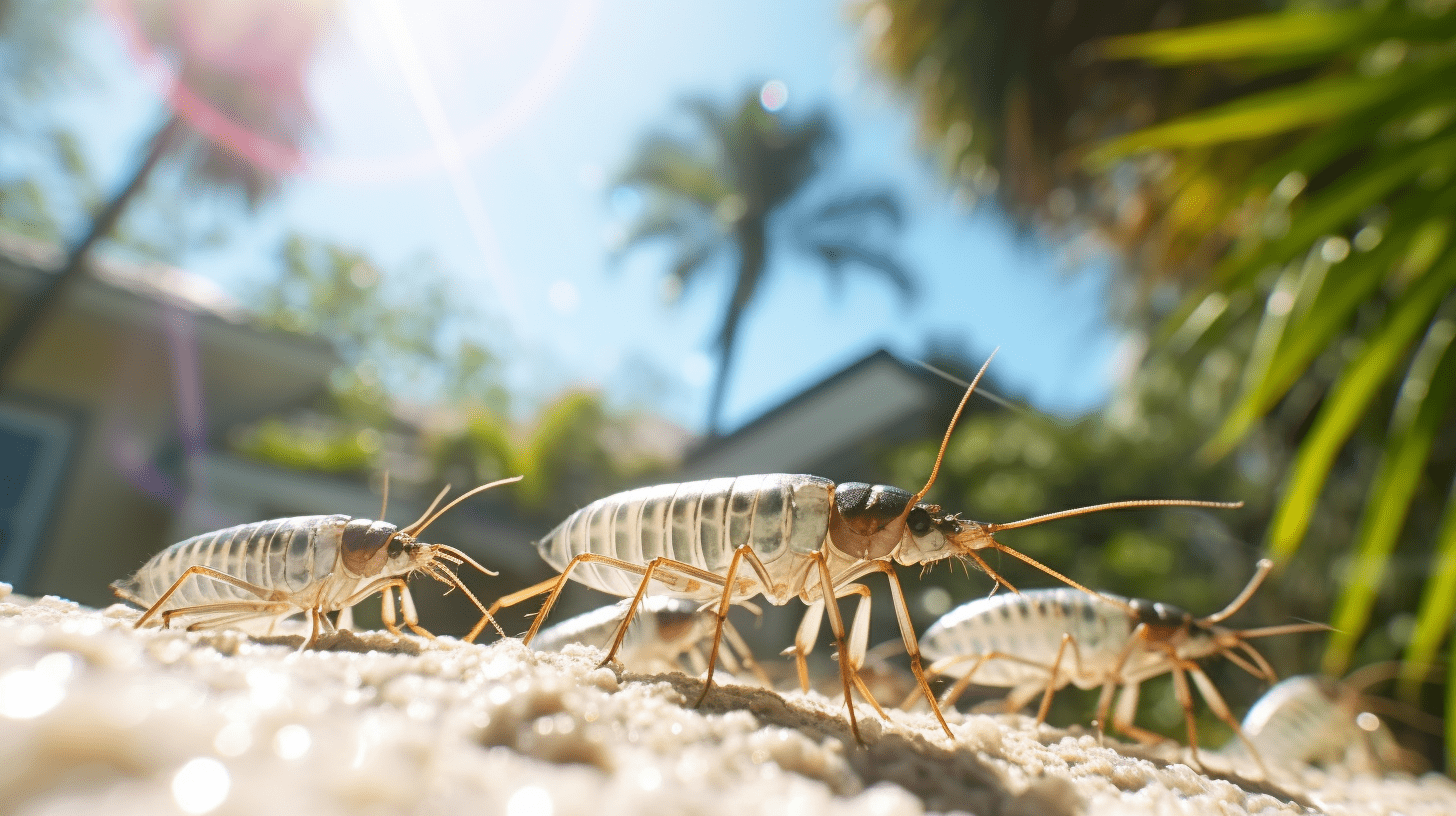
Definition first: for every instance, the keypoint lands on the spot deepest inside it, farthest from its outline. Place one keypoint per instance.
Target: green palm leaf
(1338, 206)
(1437, 610)
(1254, 117)
(1424, 399)
(1283, 36)
(1320, 149)
(1275, 137)
(1347, 402)
(1298, 343)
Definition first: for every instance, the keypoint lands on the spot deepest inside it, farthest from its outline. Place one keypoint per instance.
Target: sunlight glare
(432, 110)
(247, 39)
(774, 95)
(292, 741)
(935, 601)
(201, 785)
(233, 739)
(530, 800)
(27, 693)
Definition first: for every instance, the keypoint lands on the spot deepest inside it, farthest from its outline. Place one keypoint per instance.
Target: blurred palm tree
(726, 191)
(1348, 246)
(35, 59)
(34, 53)
(1011, 95)
(241, 61)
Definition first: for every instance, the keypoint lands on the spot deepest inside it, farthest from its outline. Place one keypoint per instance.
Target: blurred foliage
(36, 55)
(391, 333)
(245, 64)
(36, 60)
(238, 66)
(574, 452)
(26, 209)
(1288, 167)
(242, 64)
(417, 396)
(1011, 96)
(401, 333)
(417, 393)
(733, 187)
(321, 446)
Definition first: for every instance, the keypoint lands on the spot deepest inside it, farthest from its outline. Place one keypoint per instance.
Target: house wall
(146, 381)
(111, 378)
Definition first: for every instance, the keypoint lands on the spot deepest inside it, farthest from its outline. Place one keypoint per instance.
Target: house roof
(878, 398)
(246, 370)
(154, 281)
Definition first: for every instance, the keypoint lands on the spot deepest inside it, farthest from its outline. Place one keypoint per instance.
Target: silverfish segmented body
(780, 536)
(254, 575)
(668, 634)
(1308, 720)
(1041, 640)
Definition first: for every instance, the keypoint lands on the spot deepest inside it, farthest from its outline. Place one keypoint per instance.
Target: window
(35, 448)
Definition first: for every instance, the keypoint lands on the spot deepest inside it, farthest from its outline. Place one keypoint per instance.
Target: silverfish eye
(918, 521)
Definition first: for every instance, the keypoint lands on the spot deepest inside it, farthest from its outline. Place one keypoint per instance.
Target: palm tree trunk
(726, 340)
(752, 253)
(34, 310)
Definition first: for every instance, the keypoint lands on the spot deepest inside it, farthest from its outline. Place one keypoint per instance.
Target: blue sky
(541, 108)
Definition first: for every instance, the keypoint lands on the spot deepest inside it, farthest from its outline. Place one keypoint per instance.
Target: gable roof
(246, 370)
(834, 425)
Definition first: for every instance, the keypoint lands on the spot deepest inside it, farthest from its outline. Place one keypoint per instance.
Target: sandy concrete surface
(97, 717)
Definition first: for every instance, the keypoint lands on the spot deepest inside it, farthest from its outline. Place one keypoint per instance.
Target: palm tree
(725, 194)
(250, 73)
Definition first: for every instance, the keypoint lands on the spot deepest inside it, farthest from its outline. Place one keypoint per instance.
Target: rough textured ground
(97, 717)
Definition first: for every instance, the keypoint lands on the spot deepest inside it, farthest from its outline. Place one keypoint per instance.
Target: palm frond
(865, 204)
(1294, 172)
(839, 255)
(1255, 117)
(662, 223)
(1424, 401)
(1269, 376)
(1379, 164)
(1349, 399)
(690, 259)
(1437, 609)
(267, 101)
(671, 170)
(1281, 36)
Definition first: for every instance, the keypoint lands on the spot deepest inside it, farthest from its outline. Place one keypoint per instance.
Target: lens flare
(242, 50)
(774, 95)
